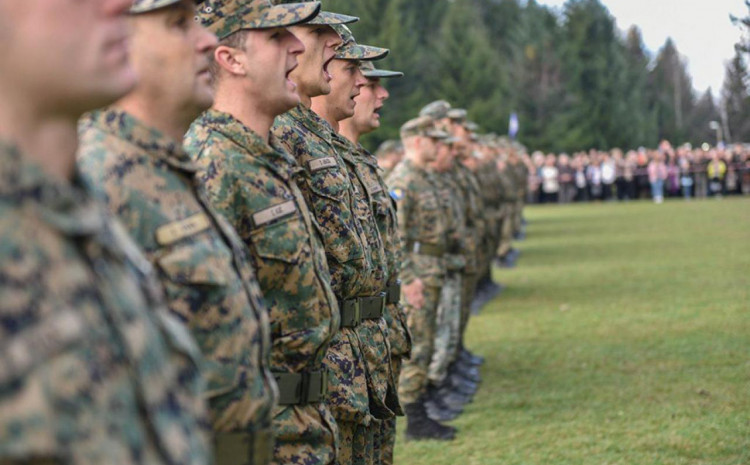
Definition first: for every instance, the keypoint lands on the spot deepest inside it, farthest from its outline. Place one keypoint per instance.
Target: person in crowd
(657, 174)
(550, 182)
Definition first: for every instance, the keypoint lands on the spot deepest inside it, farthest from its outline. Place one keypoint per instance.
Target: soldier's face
(68, 56)
(443, 158)
(427, 148)
(271, 57)
(171, 54)
(369, 102)
(313, 75)
(347, 82)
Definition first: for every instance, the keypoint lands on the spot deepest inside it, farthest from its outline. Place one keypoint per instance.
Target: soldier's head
(313, 76)
(420, 137)
(389, 154)
(257, 52)
(171, 54)
(438, 111)
(63, 57)
(369, 101)
(347, 79)
(445, 155)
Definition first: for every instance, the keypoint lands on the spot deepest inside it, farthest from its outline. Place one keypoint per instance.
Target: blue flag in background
(513, 125)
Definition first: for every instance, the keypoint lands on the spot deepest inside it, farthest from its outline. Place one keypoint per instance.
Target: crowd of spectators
(614, 175)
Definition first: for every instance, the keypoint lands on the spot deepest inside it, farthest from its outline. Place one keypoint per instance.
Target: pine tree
(735, 98)
(672, 94)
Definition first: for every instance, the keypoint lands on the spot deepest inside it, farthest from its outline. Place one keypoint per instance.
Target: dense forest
(573, 78)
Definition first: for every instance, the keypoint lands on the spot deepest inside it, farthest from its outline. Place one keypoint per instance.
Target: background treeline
(574, 79)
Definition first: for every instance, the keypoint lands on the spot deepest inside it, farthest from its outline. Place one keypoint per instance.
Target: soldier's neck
(171, 121)
(347, 129)
(49, 141)
(324, 111)
(252, 116)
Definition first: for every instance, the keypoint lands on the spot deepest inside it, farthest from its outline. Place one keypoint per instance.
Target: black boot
(471, 358)
(466, 372)
(437, 409)
(419, 426)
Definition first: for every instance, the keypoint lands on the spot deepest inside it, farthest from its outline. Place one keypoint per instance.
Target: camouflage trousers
(468, 287)
(385, 438)
(305, 435)
(447, 327)
(517, 216)
(421, 322)
(357, 443)
(506, 233)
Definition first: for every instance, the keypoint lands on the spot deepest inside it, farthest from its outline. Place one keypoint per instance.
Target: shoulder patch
(397, 194)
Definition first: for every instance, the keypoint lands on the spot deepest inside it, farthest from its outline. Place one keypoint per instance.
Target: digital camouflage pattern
(421, 219)
(225, 17)
(246, 177)
(351, 50)
(149, 182)
(324, 17)
(93, 369)
(330, 194)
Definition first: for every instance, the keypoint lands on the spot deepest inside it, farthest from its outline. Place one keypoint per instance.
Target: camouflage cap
(457, 114)
(422, 126)
(471, 126)
(225, 17)
(369, 70)
(144, 6)
(351, 50)
(437, 110)
(387, 147)
(324, 17)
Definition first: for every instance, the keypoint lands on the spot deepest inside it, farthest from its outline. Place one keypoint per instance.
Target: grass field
(623, 337)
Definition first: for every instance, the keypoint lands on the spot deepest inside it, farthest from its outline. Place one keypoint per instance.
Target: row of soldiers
(207, 266)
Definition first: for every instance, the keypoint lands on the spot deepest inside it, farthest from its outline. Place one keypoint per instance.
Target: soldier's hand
(414, 293)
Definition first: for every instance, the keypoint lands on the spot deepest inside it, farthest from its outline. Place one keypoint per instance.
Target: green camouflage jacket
(421, 220)
(454, 210)
(255, 186)
(93, 368)
(331, 196)
(476, 225)
(148, 181)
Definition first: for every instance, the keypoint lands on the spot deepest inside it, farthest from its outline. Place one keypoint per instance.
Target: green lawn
(623, 337)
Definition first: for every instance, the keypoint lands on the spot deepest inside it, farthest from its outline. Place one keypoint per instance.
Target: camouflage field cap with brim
(225, 17)
(437, 110)
(327, 18)
(387, 147)
(422, 126)
(457, 114)
(471, 126)
(351, 50)
(144, 6)
(371, 72)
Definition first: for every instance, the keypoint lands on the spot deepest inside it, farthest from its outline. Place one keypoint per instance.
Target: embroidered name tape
(173, 232)
(276, 212)
(375, 188)
(322, 163)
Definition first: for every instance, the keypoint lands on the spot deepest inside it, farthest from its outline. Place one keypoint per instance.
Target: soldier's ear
(231, 60)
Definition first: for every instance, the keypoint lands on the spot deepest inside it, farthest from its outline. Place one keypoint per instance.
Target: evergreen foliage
(575, 80)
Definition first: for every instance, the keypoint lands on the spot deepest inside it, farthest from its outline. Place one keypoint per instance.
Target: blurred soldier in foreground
(254, 184)
(423, 228)
(365, 120)
(93, 369)
(132, 154)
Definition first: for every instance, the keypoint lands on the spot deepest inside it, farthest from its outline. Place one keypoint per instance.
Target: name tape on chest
(322, 164)
(274, 213)
(375, 188)
(173, 232)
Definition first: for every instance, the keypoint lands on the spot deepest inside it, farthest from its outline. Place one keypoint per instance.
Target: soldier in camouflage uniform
(389, 154)
(93, 368)
(132, 154)
(360, 359)
(254, 184)
(423, 230)
(510, 194)
(365, 120)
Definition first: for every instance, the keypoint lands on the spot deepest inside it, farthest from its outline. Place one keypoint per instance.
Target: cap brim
(289, 14)
(361, 52)
(329, 18)
(151, 6)
(382, 74)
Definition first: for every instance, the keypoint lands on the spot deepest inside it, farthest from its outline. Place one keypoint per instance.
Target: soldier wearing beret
(93, 367)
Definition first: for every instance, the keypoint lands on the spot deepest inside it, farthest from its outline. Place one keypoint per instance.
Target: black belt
(354, 310)
(302, 388)
(252, 447)
(393, 293)
(420, 248)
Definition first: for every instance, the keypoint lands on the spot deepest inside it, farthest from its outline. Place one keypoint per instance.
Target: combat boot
(467, 357)
(419, 426)
(437, 409)
(467, 372)
(462, 385)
